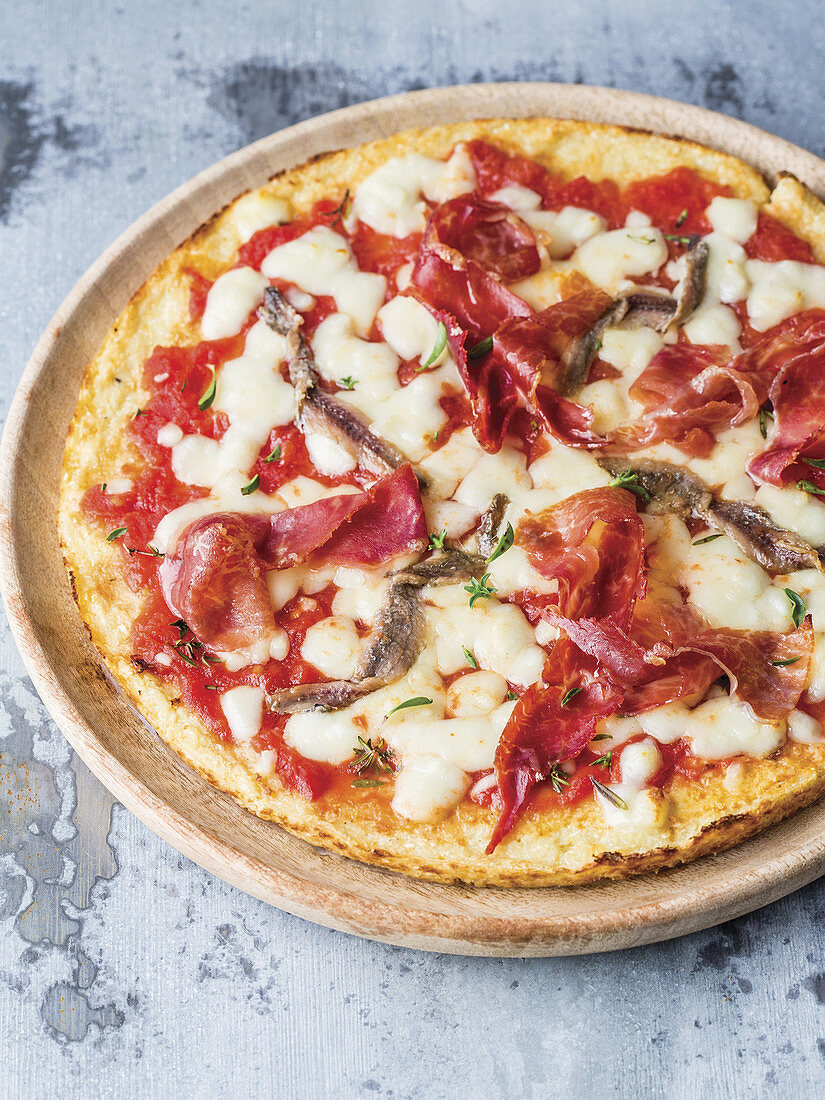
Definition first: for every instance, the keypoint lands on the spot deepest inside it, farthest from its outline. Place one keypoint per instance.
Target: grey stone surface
(127, 971)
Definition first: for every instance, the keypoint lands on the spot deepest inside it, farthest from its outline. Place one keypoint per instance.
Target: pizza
(454, 501)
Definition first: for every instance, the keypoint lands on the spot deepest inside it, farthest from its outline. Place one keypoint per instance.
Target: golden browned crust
(554, 848)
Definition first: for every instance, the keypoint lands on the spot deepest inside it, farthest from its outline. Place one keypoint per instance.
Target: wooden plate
(176, 803)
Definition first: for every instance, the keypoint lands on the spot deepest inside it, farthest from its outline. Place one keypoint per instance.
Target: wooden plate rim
(474, 931)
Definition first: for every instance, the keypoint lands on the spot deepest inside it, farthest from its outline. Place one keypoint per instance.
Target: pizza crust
(557, 848)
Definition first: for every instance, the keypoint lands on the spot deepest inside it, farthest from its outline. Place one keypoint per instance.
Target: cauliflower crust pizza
(455, 501)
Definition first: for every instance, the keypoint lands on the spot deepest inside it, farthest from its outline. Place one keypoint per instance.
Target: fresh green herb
(416, 701)
(675, 237)
(183, 385)
(470, 657)
(558, 780)
(606, 792)
(367, 783)
(809, 487)
(479, 350)
(503, 545)
(349, 383)
(439, 345)
(340, 211)
(367, 756)
(534, 425)
(603, 761)
(189, 649)
(113, 535)
(784, 664)
(211, 687)
(437, 434)
(137, 413)
(797, 606)
(480, 590)
(150, 552)
(251, 486)
(512, 697)
(640, 240)
(570, 695)
(275, 454)
(597, 347)
(709, 538)
(629, 479)
(103, 486)
(764, 415)
(680, 221)
(181, 626)
(819, 463)
(437, 541)
(209, 393)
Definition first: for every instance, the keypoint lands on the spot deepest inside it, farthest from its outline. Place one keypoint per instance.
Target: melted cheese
(736, 218)
(256, 211)
(391, 199)
(333, 647)
(718, 728)
(427, 788)
(321, 262)
(230, 300)
(243, 707)
(779, 290)
(609, 260)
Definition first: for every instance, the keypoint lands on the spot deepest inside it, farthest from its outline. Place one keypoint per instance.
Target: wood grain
(129, 758)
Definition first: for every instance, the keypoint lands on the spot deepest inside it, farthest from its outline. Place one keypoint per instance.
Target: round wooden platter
(177, 804)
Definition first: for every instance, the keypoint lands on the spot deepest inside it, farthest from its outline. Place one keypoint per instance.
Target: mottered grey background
(127, 971)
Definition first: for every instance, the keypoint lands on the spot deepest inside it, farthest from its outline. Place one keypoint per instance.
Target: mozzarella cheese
(610, 260)
(230, 300)
(391, 199)
(243, 707)
(321, 262)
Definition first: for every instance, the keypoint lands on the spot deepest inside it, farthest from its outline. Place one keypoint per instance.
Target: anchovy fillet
(317, 411)
(675, 491)
(490, 523)
(396, 640)
(654, 309)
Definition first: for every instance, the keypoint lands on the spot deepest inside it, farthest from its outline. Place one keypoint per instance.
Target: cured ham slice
(214, 579)
(793, 356)
(687, 392)
(592, 544)
(487, 233)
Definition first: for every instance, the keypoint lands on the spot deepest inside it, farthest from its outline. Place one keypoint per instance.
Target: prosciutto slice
(214, 579)
(687, 392)
(487, 233)
(592, 544)
(793, 357)
(691, 656)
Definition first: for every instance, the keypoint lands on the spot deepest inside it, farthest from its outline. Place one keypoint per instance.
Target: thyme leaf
(611, 796)
(784, 664)
(114, 535)
(367, 756)
(208, 395)
(558, 780)
(416, 701)
(437, 541)
(439, 345)
(479, 350)
(275, 454)
(480, 590)
(570, 695)
(680, 221)
(470, 657)
(349, 383)
(709, 538)
(809, 487)
(629, 479)
(250, 486)
(798, 610)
